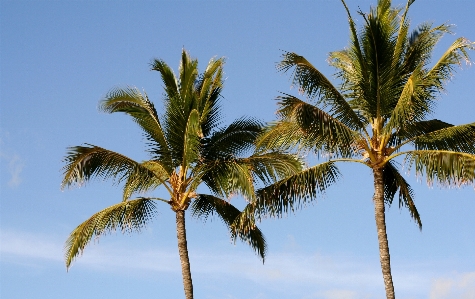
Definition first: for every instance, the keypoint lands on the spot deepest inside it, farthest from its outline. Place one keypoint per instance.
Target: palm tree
(186, 149)
(378, 113)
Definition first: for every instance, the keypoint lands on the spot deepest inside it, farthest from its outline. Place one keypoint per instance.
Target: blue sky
(58, 58)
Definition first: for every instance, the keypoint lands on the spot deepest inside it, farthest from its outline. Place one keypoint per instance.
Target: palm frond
(443, 70)
(192, 136)
(328, 133)
(295, 191)
(141, 182)
(315, 84)
(448, 168)
(455, 138)
(129, 100)
(86, 162)
(412, 130)
(240, 224)
(232, 141)
(393, 183)
(169, 80)
(127, 216)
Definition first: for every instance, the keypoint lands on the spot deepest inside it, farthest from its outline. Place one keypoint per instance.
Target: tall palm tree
(378, 113)
(186, 149)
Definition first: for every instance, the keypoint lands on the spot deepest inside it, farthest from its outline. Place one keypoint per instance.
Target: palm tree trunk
(382, 236)
(183, 250)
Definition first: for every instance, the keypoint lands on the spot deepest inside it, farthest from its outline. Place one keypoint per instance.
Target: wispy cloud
(315, 275)
(14, 163)
(457, 285)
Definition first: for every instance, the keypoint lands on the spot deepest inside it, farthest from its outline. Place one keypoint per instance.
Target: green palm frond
(127, 216)
(328, 133)
(315, 84)
(443, 70)
(141, 182)
(412, 130)
(170, 83)
(272, 166)
(455, 138)
(209, 88)
(394, 182)
(445, 167)
(228, 177)
(295, 191)
(192, 136)
(129, 100)
(86, 162)
(188, 74)
(232, 141)
(240, 224)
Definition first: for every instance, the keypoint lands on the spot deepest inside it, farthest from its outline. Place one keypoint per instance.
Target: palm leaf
(393, 183)
(455, 138)
(295, 191)
(142, 182)
(445, 167)
(128, 216)
(232, 141)
(240, 224)
(328, 133)
(86, 162)
(315, 84)
(129, 100)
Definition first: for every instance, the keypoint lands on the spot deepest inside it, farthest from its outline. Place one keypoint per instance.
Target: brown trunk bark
(183, 250)
(382, 236)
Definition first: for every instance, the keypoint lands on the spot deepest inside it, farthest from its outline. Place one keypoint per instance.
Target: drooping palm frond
(239, 223)
(127, 216)
(295, 191)
(394, 183)
(86, 162)
(448, 168)
(315, 84)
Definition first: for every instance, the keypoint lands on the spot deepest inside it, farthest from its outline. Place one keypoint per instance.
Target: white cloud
(312, 276)
(458, 285)
(14, 161)
(15, 167)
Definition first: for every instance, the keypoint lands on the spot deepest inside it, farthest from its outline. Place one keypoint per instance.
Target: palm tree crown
(381, 110)
(187, 148)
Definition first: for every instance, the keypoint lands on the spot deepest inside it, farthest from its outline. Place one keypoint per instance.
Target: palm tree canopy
(187, 148)
(381, 109)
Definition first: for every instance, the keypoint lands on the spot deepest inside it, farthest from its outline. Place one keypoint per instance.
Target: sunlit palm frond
(86, 162)
(240, 224)
(444, 69)
(188, 74)
(272, 166)
(127, 216)
(297, 190)
(455, 138)
(191, 141)
(141, 182)
(394, 182)
(328, 133)
(315, 84)
(445, 167)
